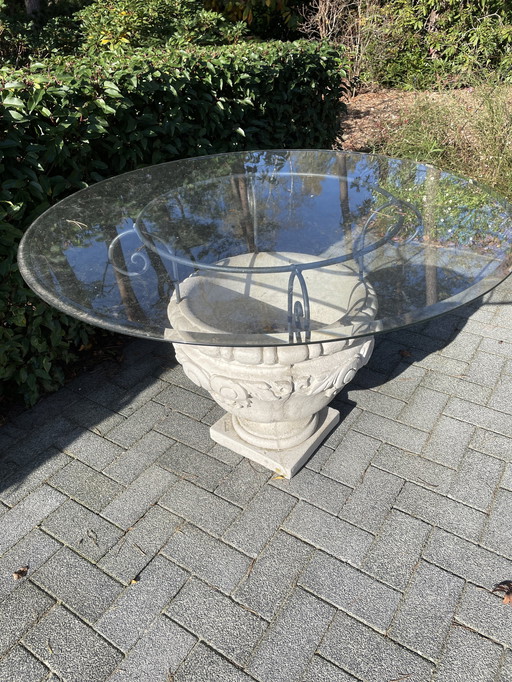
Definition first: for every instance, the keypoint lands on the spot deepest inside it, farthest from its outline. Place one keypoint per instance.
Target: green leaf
(11, 101)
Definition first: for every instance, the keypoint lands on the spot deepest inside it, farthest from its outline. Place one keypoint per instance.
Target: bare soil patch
(372, 116)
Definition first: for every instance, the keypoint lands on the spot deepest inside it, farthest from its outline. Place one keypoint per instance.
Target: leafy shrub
(261, 14)
(71, 122)
(416, 43)
(424, 42)
(137, 23)
(53, 30)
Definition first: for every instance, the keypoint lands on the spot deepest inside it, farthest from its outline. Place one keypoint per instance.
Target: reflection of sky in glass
(288, 211)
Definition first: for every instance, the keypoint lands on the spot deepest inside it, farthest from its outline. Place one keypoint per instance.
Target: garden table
(271, 272)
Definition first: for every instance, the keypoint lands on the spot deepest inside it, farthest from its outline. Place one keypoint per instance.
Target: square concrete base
(283, 462)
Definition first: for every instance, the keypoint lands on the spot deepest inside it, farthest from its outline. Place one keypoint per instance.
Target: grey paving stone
(372, 499)
(351, 458)
(174, 374)
(349, 589)
(78, 583)
(134, 427)
(138, 349)
(224, 455)
(19, 664)
(70, 648)
(468, 656)
(497, 345)
(485, 613)
(99, 388)
(448, 441)
(90, 449)
(131, 375)
(213, 414)
(27, 478)
(369, 655)
(484, 326)
(138, 457)
(492, 444)
(19, 610)
(27, 514)
(184, 401)
(348, 415)
(128, 399)
(140, 394)
(243, 482)
(319, 458)
(199, 506)
(273, 575)
(128, 507)
(88, 382)
(424, 617)
(204, 665)
(457, 386)
(195, 466)
(396, 551)
(484, 417)
(414, 468)
(463, 346)
(254, 527)
(187, 431)
(506, 479)
(216, 619)
(320, 670)
(316, 489)
(82, 530)
(498, 534)
(90, 415)
(425, 336)
(444, 365)
(389, 431)
(441, 511)
(136, 608)
(403, 381)
(212, 560)
(137, 547)
(8, 468)
(45, 436)
(329, 533)
(375, 402)
(505, 672)
(424, 408)
(86, 485)
(501, 398)
(32, 551)
(293, 637)
(44, 411)
(157, 654)
(485, 368)
(386, 355)
(477, 479)
(466, 559)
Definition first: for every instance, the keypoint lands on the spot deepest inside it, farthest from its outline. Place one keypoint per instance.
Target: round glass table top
(269, 248)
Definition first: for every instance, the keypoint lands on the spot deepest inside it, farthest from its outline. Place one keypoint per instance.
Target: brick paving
(157, 555)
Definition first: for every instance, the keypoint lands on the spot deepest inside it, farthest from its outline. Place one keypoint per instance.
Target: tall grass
(468, 132)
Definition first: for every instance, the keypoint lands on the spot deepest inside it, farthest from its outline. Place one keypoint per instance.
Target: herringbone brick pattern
(156, 555)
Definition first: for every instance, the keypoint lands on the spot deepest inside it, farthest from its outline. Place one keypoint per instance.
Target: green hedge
(67, 124)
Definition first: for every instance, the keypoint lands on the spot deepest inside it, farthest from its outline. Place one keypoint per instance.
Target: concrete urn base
(276, 396)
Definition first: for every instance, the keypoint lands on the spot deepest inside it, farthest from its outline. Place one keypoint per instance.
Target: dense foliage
(424, 42)
(417, 43)
(70, 122)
